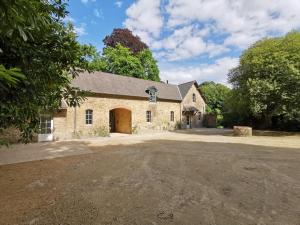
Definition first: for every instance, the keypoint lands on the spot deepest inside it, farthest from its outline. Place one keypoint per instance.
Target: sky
(191, 39)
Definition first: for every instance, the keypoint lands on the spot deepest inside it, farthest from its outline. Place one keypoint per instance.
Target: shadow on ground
(229, 132)
(156, 182)
(38, 151)
(205, 131)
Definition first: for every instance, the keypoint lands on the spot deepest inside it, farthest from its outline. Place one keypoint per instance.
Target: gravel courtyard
(183, 178)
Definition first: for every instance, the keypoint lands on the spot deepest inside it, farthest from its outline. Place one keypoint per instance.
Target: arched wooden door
(120, 121)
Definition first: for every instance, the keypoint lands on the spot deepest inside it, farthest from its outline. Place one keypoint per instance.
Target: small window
(194, 98)
(152, 97)
(199, 116)
(88, 116)
(148, 116)
(152, 92)
(172, 116)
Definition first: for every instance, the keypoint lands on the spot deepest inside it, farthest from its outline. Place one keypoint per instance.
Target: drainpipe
(180, 116)
(75, 114)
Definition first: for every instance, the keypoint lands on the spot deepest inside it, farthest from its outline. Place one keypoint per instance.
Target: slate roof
(185, 87)
(106, 83)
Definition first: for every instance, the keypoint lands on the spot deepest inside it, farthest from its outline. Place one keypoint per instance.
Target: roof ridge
(179, 92)
(129, 77)
(188, 82)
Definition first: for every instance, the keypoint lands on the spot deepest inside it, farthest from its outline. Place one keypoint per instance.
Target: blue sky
(192, 40)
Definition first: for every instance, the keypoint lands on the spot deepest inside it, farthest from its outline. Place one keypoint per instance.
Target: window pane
(148, 116)
(89, 116)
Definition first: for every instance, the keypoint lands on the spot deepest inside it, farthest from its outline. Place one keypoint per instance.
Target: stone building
(125, 105)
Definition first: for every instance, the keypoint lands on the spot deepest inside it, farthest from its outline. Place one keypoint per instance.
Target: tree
(268, 80)
(120, 60)
(39, 55)
(149, 64)
(126, 39)
(127, 55)
(215, 95)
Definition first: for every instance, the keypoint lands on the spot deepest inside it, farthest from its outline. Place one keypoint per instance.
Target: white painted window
(88, 116)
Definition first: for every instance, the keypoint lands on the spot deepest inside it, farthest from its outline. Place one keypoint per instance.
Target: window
(194, 98)
(148, 116)
(172, 116)
(88, 116)
(152, 97)
(151, 91)
(45, 124)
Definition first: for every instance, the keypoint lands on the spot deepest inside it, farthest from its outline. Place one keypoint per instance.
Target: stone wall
(10, 135)
(197, 120)
(102, 104)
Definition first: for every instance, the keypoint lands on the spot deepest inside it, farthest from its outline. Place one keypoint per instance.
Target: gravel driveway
(185, 178)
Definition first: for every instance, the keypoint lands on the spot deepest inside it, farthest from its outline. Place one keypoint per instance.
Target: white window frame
(46, 123)
(89, 117)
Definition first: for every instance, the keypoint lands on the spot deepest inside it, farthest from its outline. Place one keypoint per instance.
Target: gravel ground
(185, 178)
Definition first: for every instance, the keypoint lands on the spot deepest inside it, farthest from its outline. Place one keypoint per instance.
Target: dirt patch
(175, 178)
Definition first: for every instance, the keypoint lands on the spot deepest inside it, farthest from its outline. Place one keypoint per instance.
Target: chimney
(167, 81)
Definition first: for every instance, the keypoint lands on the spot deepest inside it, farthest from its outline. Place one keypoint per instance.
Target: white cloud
(185, 29)
(80, 30)
(216, 72)
(243, 21)
(145, 19)
(119, 4)
(98, 13)
(86, 1)
(187, 42)
(69, 19)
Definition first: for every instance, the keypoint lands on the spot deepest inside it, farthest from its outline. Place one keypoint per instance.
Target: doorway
(120, 121)
(188, 121)
(46, 128)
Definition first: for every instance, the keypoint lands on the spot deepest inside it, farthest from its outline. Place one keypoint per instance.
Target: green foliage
(125, 54)
(215, 95)
(101, 131)
(267, 81)
(121, 60)
(149, 64)
(37, 55)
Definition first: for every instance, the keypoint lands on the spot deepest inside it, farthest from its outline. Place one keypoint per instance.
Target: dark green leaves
(268, 80)
(38, 54)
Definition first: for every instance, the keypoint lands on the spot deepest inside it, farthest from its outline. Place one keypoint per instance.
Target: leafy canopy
(267, 79)
(127, 55)
(215, 95)
(38, 52)
(125, 38)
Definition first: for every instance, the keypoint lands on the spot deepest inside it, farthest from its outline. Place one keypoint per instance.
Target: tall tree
(120, 60)
(215, 95)
(127, 55)
(125, 38)
(149, 64)
(268, 79)
(38, 52)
